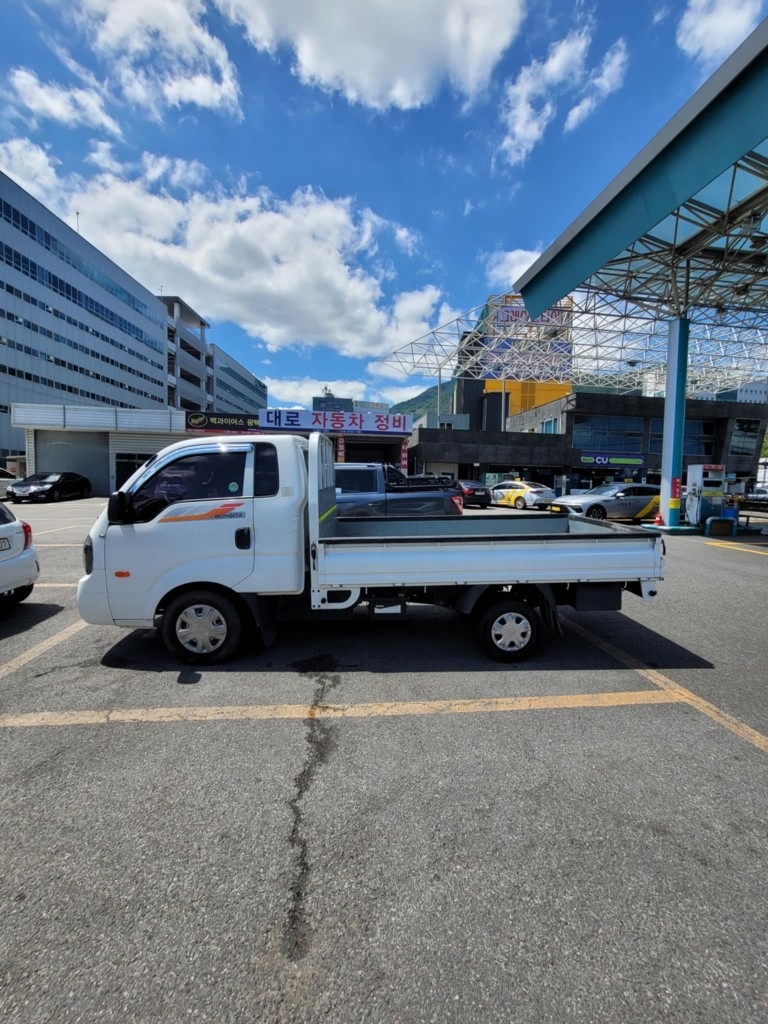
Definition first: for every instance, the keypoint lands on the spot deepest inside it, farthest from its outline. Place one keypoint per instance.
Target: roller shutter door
(74, 451)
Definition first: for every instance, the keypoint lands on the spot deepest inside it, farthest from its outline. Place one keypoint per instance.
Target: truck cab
(225, 509)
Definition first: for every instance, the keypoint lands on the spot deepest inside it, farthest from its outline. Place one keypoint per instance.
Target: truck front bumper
(92, 603)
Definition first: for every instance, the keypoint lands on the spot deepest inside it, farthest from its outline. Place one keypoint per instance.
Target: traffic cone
(659, 520)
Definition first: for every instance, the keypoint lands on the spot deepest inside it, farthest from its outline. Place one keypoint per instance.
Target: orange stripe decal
(211, 513)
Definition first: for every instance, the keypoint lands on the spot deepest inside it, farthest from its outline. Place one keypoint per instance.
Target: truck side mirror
(118, 508)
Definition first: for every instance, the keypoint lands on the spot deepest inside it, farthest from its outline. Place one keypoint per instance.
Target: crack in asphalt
(321, 742)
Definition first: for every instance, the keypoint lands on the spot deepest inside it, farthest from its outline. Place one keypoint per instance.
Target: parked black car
(475, 493)
(49, 487)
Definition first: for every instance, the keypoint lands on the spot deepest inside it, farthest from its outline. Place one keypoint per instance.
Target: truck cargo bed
(484, 550)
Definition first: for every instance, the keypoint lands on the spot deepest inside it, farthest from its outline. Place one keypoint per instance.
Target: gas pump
(705, 493)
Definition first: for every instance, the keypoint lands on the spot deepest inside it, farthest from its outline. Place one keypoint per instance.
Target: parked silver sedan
(612, 501)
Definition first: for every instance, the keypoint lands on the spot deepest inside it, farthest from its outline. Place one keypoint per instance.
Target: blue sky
(326, 183)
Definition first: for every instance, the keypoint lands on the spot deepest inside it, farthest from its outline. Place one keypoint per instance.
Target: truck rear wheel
(509, 630)
(202, 627)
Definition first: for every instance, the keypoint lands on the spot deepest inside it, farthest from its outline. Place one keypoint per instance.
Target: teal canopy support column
(674, 421)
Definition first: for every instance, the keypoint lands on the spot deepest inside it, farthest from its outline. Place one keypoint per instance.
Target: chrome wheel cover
(511, 631)
(201, 628)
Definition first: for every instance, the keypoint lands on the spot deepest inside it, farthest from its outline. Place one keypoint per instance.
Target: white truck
(216, 539)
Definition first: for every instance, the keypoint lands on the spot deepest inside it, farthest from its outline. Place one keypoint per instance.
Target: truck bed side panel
(476, 550)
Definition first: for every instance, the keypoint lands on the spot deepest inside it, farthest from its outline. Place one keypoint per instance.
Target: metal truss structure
(709, 255)
(707, 261)
(590, 340)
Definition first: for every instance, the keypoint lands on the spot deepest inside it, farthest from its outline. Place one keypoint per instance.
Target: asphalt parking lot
(372, 822)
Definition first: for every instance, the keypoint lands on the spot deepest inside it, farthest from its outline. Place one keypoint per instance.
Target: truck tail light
(27, 536)
(458, 501)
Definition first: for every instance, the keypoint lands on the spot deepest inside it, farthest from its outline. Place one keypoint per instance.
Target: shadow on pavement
(427, 640)
(26, 616)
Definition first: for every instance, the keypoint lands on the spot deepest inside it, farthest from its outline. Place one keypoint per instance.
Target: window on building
(608, 433)
(744, 438)
(698, 439)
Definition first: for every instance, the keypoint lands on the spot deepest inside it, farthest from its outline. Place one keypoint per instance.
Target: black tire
(86, 491)
(596, 512)
(54, 495)
(520, 502)
(201, 627)
(16, 501)
(9, 598)
(509, 630)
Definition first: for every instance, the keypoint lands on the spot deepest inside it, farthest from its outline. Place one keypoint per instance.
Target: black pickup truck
(375, 489)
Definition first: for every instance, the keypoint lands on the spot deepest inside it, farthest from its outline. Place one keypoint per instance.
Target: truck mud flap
(263, 616)
(548, 609)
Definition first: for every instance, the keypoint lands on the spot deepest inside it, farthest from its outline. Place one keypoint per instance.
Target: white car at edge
(19, 567)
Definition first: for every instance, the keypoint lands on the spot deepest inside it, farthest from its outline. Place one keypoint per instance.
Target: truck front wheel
(202, 627)
(509, 630)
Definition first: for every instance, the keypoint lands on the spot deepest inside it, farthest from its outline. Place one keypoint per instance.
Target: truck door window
(191, 478)
(266, 479)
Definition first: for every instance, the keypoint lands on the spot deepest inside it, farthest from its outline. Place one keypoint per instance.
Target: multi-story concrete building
(233, 388)
(76, 330)
(74, 327)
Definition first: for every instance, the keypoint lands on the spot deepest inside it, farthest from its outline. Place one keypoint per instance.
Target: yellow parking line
(251, 712)
(667, 692)
(737, 547)
(741, 729)
(46, 645)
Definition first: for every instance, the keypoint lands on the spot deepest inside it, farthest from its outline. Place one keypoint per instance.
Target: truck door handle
(243, 538)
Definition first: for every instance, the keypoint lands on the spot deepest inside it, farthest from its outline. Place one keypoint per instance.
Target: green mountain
(426, 402)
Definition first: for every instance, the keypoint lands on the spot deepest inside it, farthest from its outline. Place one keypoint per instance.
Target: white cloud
(161, 53)
(72, 107)
(529, 105)
(31, 167)
(530, 102)
(299, 391)
(602, 83)
(292, 271)
(504, 268)
(179, 174)
(710, 30)
(102, 156)
(381, 53)
(385, 53)
(406, 240)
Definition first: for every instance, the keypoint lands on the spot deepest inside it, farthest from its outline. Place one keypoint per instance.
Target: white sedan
(19, 567)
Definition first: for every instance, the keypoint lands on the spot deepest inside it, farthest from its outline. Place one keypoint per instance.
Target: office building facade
(76, 330)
